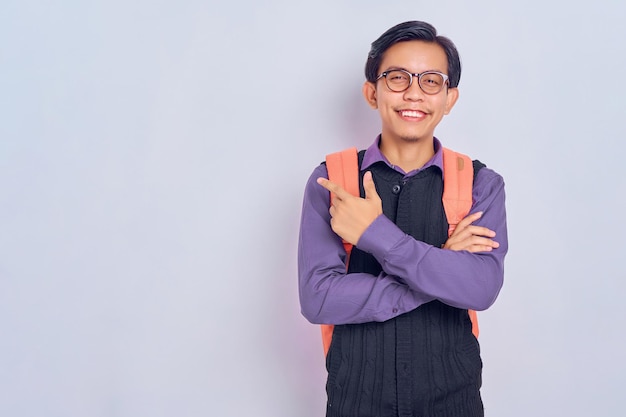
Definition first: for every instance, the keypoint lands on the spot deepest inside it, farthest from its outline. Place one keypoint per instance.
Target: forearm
(461, 279)
(334, 297)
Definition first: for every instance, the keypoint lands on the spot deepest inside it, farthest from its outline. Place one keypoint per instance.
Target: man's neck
(408, 155)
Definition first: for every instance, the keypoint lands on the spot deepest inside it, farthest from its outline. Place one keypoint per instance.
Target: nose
(414, 92)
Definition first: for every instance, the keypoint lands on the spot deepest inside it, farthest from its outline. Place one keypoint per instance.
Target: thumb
(369, 186)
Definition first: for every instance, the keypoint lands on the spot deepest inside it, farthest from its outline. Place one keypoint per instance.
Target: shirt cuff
(380, 237)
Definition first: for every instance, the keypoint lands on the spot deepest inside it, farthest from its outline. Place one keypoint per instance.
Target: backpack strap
(458, 172)
(343, 169)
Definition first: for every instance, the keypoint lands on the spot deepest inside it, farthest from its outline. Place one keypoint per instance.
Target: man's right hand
(471, 238)
(351, 215)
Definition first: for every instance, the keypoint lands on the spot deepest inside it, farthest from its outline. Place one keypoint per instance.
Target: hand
(351, 215)
(471, 238)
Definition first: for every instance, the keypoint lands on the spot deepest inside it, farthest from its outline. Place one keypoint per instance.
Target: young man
(402, 343)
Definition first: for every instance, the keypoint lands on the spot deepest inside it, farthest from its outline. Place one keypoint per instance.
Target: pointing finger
(334, 188)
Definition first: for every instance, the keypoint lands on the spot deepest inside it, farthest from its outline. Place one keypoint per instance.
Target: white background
(153, 156)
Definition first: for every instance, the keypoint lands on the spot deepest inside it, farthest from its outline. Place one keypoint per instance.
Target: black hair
(412, 31)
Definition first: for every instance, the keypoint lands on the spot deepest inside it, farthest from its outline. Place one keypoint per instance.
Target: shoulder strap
(343, 169)
(458, 179)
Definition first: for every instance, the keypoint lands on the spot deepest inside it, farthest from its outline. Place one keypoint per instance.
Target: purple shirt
(413, 272)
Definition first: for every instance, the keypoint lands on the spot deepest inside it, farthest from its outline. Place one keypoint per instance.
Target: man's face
(411, 115)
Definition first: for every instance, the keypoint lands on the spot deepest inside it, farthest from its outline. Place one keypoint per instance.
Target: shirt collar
(373, 155)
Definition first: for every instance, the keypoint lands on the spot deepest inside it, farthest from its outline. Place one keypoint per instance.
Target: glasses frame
(419, 80)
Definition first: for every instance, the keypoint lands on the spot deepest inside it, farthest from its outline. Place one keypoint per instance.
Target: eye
(397, 76)
(432, 80)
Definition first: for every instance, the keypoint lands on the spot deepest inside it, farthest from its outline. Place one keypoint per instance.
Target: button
(395, 189)
(394, 311)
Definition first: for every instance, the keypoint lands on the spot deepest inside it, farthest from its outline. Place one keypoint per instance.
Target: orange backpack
(343, 169)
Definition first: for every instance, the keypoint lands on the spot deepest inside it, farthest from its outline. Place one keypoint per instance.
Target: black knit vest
(422, 363)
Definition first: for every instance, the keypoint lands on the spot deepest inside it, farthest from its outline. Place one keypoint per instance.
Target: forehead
(415, 56)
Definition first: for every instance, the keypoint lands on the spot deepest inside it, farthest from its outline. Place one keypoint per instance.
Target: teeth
(411, 113)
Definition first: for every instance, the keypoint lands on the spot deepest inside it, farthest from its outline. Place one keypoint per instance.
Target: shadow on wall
(294, 354)
(361, 123)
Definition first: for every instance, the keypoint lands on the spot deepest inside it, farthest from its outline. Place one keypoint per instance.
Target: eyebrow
(404, 69)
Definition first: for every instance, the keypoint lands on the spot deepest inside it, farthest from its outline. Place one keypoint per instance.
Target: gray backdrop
(153, 156)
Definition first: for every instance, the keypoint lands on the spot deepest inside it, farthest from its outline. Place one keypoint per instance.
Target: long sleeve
(460, 279)
(328, 294)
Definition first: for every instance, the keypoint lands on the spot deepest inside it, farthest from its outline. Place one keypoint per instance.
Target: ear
(452, 97)
(369, 92)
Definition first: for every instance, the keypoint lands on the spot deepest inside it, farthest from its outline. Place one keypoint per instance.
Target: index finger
(334, 188)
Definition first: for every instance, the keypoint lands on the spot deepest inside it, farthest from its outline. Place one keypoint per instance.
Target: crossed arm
(466, 272)
(350, 216)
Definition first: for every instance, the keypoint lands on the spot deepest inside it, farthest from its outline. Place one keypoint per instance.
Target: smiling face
(410, 116)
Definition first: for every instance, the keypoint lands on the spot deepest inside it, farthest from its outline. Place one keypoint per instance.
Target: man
(403, 343)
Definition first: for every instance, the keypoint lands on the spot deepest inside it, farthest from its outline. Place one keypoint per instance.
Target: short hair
(412, 31)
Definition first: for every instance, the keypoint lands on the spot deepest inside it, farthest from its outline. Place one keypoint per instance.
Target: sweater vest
(422, 363)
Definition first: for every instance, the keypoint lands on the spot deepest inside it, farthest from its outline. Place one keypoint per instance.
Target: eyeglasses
(431, 82)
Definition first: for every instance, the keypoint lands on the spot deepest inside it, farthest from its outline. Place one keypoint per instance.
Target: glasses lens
(398, 80)
(431, 82)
